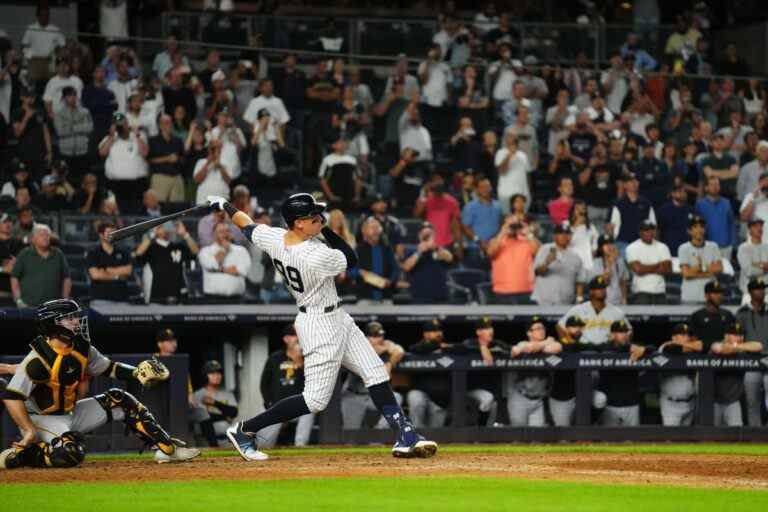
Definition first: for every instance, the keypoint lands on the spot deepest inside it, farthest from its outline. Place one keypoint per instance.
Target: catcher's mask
(62, 319)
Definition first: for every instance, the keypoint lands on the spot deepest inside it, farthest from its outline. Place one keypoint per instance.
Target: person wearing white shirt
(513, 168)
(124, 86)
(755, 203)
(40, 42)
(126, 166)
(211, 176)
(232, 142)
(225, 265)
(751, 173)
(615, 83)
(277, 111)
(411, 83)
(164, 60)
(435, 77)
(414, 135)
(649, 260)
(137, 117)
(753, 257)
(113, 19)
(501, 74)
(583, 234)
(63, 78)
(487, 19)
(556, 118)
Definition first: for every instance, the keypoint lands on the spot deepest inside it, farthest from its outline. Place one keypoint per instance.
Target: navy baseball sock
(284, 410)
(385, 402)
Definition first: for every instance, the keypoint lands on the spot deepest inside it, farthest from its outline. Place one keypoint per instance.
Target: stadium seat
(484, 293)
(467, 279)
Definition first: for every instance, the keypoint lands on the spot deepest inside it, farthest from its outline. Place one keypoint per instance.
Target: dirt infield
(716, 471)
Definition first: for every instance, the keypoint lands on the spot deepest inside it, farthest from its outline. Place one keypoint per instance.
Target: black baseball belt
(326, 309)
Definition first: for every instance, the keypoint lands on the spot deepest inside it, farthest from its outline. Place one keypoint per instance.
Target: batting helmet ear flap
(300, 205)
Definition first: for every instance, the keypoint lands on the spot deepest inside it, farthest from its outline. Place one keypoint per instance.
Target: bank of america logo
(660, 360)
(445, 361)
(553, 360)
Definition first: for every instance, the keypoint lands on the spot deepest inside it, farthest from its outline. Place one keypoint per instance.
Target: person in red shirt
(559, 208)
(512, 252)
(441, 210)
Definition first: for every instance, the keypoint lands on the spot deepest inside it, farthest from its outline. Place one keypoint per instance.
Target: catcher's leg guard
(65, 451)
(137, 418)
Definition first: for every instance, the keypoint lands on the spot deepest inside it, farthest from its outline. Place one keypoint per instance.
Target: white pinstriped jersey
(307, 268)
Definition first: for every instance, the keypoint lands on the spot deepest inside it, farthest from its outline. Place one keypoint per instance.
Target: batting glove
(216, 202)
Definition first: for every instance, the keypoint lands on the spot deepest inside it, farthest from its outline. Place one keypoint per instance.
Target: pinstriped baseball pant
(329, 341)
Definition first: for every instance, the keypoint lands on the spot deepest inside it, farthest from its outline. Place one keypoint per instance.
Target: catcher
(42, 395)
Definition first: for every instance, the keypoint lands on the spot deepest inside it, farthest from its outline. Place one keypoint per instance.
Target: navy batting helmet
(49, 316)
(299, 206)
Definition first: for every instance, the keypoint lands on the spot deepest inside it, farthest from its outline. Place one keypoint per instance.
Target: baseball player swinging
(42, 395)
(328, 336)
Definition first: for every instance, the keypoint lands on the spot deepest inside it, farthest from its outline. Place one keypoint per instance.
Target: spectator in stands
(151, 204)
(560, 207)
(23, 206)
(109, 267)
(125, 150)
(427, 269)
(165, 154)
(35, 146)
(74, 126)
(501, 74)
(622, 388)
(40, 42)
(408, 176)
(361, 92)
(221, 97)
(212, 65)
(555, 120)
(441, 210)
(511, 107)
(729, 386)
(673, 219)
(290, 84)
(583, 234)
(51, 198)
(211, 175)
(466, 147)
(559, 271)
(278, 114)
(355, 400)
(88, 196)
(10, 247)
(214, 408)
(413, 134)
(525, 132)
(615, 83)
(232, 141)
(612, 269)
(650, 262)
(733, 64)
(136, 115)
(482, 217)
(751, 173)
(643, 60)
(752, 256)
(100, 102)
(700, 262)
(628, 213)
(583, 138)
(512, 252)
(283, 376)
(436, 77)
(166, 259)
(513, 168)
(377, 271)
(19, 178)
(503, 34)
(754, 318)
(225, 266)
(597, 313)
(527, 390)
(53, 96)
(207, 225)
(166, 60)
(654, 178)
(755, 202)
(124, 84)
(40, 272)
(340, 178)
(176, 93)
(718, 215)
(400, 76)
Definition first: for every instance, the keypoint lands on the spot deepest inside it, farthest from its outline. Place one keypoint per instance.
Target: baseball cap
(289, 330)
(530, 60)
(224, 110)
(694, 220)
(647, 224)
(620, 326)
(4, 217)
(735, 328)
(681, 328)
(433, 325)
(535, 320)
(755, 221)
(598, 282)
(378, 198)
(756, 283)
(18, 165)
(60, 165)
(574, 321)
(218, 75)
(713, 287)
(165, 335)
(212, 366)
(562, 229)
(49, 179)
(118, 117)
(484, 323)
(374, 329)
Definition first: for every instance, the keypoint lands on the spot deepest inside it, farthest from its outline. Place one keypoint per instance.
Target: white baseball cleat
(4, 455)
(180, 454)
(244, 444)
(421, 448)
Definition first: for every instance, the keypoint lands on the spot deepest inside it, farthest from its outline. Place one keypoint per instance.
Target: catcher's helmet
(49, 315)
(300, 205)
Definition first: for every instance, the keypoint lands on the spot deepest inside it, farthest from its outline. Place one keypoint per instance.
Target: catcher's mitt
(150, 372)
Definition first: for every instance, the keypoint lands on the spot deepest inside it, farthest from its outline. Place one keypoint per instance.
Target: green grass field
(475, 493)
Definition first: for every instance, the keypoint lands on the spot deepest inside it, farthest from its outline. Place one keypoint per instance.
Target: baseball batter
(42, 395)
(328, 336)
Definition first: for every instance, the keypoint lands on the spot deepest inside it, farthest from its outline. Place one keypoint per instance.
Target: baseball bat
(141, 227)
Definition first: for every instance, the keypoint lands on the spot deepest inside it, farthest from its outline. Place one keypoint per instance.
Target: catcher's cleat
(9, 459)
(180, 454)
(244, 444)
(420, 448)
